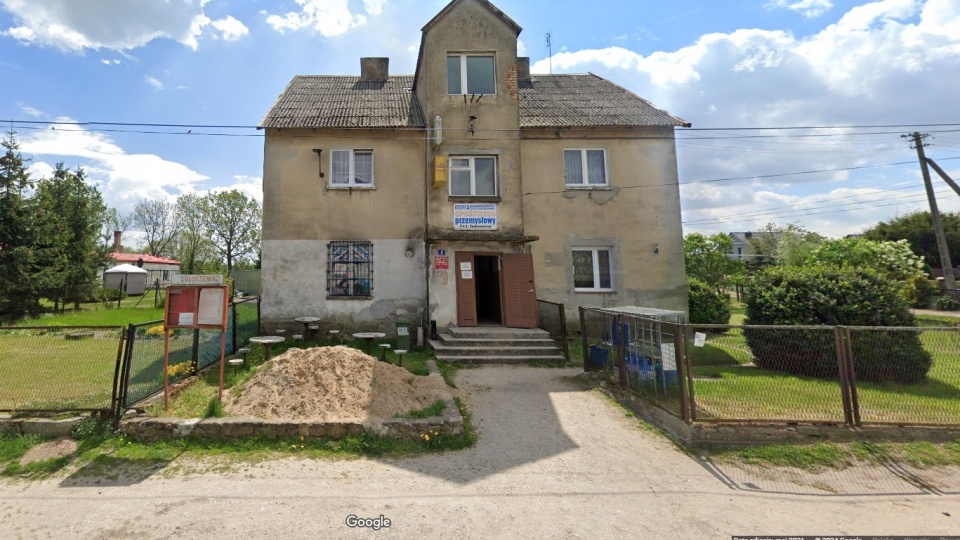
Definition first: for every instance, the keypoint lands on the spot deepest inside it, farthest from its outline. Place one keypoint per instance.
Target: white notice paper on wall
(699, 339)
(466, 274)
(185, 319)
(465, 267)
(211, 306)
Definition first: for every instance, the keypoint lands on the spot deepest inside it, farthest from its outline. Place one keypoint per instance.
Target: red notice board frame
(195, 307)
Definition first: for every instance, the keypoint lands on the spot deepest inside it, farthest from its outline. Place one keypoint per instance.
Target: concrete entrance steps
(495, 345)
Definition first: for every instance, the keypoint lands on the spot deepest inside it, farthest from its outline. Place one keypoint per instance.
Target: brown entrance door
(466, 289)
(519, 291)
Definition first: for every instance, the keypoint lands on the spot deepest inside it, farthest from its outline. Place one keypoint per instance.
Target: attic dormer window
(470, 74)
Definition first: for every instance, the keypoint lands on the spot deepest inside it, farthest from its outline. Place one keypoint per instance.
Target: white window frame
(464, 84)
(473, 175)
(595, 259)
(584, 174)
(351, 179)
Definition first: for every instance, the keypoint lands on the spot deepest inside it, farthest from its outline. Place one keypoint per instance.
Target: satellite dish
(140, 262)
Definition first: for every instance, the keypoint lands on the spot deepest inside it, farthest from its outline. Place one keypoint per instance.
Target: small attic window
(471, 74)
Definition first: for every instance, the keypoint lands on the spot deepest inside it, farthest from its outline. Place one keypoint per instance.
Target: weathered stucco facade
(474, 188)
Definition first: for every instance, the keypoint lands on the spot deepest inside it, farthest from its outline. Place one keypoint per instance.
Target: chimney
(116, 242)
(523, 68)
(374, 69)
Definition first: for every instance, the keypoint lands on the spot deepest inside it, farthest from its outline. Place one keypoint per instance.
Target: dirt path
(553, 461)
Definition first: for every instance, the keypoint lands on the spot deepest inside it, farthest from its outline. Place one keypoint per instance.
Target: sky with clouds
(855, 75)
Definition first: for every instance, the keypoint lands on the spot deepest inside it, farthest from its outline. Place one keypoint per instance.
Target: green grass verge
(102, 454)
(435, 409)
(448, 370)
(842, 455)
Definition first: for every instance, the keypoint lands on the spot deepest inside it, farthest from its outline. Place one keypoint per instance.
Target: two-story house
(463, 193)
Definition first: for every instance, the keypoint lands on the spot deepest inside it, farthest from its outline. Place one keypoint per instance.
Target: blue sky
(730, 64)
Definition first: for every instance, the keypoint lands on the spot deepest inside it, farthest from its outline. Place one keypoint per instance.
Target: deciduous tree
(707, 259)
(233, 222)
(158, 221)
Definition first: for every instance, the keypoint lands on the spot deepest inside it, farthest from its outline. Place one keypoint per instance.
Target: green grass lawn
(728, 386)
(44, 370)
(133, 309)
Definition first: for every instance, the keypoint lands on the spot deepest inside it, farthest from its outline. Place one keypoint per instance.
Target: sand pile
(332, 384)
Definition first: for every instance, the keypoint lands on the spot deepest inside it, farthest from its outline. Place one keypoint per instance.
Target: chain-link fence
(764, 373)
(54, 369)
(189, 350)
(552, 317)
(896, 392)
(781, 374)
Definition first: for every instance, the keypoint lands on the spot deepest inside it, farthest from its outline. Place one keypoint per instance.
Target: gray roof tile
(330, 101)
(587, 101)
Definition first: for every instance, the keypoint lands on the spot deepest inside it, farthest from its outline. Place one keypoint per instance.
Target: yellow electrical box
(439, 171)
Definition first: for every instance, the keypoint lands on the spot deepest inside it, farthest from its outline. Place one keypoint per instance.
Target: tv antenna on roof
(550, 50)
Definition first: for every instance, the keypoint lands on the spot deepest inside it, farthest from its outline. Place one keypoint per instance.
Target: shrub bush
(921, 292)
(832, 297)
(946, 303)
(707, 306)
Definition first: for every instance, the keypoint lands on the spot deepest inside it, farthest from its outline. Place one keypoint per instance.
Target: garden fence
(59, 368)
(552, 317)
(780, 374)
(142, 374)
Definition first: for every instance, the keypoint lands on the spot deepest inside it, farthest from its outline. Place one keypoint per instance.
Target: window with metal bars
(349, 268)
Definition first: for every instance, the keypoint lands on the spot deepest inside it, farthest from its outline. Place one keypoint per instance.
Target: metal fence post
(117, 371)
(564, 339)
(621, 349)
(852, 376)
(688, 338)
(258, 316)
(125, 377)
(233, 314)
(678, 354)
(584, 338)
(841, 348)
(195, 351)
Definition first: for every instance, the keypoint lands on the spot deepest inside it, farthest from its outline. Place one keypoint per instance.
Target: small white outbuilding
(133, 279)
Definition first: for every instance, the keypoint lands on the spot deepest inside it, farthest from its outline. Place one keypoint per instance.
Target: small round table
(266, 341)
(306, 321)
(369, 336)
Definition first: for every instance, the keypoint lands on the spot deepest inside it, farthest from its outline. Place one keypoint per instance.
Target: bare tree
(113, 223)
(158, 221)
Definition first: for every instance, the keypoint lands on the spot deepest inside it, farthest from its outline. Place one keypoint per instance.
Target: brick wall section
(512, 83)
(148, 429)
(734, 434)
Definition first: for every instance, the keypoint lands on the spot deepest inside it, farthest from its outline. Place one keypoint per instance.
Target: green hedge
(832, 297)
(707, 306)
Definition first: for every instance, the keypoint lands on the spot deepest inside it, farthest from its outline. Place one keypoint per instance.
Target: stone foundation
(149, 429)
(745, 434)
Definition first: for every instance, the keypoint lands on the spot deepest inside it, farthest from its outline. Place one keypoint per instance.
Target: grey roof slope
(331, 101)
(587, 101)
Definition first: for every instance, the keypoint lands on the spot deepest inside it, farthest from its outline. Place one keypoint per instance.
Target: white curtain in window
(363, 167)
(340, 167)
(572, 166)
(596, 172)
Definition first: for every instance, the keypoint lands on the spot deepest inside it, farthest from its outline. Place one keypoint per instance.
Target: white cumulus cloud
(810, 9)
(122, 178)
(328, 17)
(73, 25)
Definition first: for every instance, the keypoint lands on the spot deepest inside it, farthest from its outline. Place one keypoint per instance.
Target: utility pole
(549, 48)
(948, 279)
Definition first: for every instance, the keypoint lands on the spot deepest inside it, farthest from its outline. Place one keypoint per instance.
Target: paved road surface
(553, 461)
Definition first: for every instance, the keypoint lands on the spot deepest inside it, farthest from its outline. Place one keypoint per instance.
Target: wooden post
(584, 339)
(842, 373)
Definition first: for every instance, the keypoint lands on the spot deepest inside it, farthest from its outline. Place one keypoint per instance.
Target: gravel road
(553, 461)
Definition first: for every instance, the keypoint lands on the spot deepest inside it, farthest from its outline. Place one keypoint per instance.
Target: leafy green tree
(158, 221)
(17, 293)
(917, 230)
(893, 261)
(788, 245)
(233, 222)
(707, 259)
(193, 245)
(69, 217)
